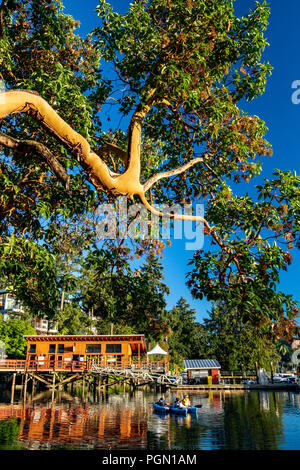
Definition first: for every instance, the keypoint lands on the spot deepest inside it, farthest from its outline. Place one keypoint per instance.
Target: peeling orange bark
(127, 183)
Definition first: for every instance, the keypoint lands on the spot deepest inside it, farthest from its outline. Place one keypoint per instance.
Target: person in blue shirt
(161, 402)
(178, 404)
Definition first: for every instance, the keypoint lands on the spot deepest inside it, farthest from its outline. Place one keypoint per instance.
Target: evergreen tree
(185, 341)
(124, 299)
(235, 343)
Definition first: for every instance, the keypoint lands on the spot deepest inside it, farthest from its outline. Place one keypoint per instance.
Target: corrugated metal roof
(202, 364)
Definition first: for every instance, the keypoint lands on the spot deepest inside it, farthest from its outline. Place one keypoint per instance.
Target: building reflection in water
(78, 425)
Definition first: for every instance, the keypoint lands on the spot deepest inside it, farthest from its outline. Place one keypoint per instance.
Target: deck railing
(12, 364)
(65, 365)
(238, 373)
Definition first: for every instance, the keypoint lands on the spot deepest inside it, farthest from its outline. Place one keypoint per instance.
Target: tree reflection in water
(9, 433)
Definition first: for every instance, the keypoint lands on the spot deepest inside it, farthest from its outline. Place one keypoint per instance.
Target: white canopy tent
(157, 350)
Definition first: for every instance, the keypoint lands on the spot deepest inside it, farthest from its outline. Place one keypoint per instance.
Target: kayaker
(161, 402)
(186, 401)
(178, 404)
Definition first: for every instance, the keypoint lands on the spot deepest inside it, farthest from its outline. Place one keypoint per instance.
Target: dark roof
(202, 364)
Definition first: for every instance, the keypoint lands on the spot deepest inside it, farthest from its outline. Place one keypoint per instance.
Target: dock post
(13, 388)
(53, 387)
(32, 387)
(83, 386)
(22, 385)
(256, 371)
(94, 386)
(25, 387)
(271, 364)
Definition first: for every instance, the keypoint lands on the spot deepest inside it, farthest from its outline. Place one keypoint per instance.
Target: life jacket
(186, 402)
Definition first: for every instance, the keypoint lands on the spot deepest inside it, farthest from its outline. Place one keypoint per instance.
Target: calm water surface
(245, 420)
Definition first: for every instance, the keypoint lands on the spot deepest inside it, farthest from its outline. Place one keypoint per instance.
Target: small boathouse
(201, 371)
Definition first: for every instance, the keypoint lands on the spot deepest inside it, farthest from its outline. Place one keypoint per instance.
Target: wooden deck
(22, 366)
(267, 387)
(55, 375)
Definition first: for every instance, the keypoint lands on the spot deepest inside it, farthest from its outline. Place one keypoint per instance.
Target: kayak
(174, 410)
(160, 408)
(178, 411)
(170, 409)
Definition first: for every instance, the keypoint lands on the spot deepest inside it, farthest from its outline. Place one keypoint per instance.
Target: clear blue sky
(275, 107)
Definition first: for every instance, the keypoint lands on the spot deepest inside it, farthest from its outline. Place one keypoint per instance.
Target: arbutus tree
(182, 69)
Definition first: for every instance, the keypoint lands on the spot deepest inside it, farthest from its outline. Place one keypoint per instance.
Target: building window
(32, 348)
(113, 348)
(52, 348)
(61, 348)
(93, 348)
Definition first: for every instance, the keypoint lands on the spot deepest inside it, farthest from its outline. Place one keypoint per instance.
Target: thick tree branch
(16, 101)
(127, 183)
(33, 147)
(134, 136)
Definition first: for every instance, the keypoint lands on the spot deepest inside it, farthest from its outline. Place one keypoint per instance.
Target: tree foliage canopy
(182, 69)
(12, 334)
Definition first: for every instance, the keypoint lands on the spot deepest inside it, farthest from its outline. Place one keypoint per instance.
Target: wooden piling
(25, 387)
(83, 383)
(13, 388)
(33, 381)
(53, 387)
(22, 385)
(272, 376)
(256, 371)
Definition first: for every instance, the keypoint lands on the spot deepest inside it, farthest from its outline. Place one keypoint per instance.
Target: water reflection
(262, 420)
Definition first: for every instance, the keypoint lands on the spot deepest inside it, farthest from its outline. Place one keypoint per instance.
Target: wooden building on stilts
(62, 351)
